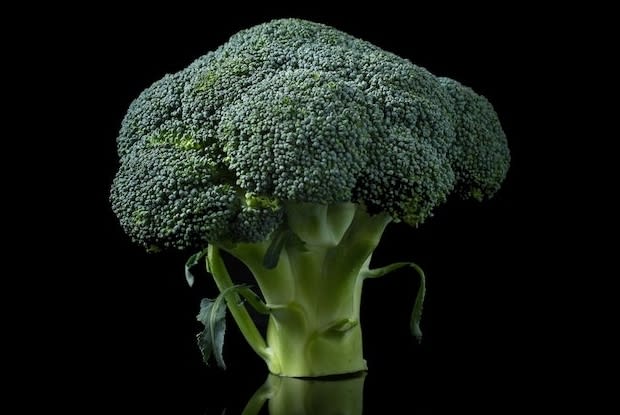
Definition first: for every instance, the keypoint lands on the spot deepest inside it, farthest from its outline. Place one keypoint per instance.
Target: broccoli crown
(297, 111)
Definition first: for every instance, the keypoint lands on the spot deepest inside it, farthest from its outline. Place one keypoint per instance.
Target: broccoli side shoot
(292, 147)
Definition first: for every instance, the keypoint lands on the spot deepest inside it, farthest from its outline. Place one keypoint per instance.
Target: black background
(124, 323)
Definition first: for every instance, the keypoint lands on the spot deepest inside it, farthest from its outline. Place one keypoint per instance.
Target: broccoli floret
(480, 156)
(292, 146)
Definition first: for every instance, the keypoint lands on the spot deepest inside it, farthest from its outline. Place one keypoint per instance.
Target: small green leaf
(340, 327)
(211, 340)
(416, 314)
(272, 255)
(282, 237)
(192, 261)
(213, 316)
(294, 241)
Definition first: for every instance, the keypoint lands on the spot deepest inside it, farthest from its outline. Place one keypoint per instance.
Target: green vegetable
(292, 147)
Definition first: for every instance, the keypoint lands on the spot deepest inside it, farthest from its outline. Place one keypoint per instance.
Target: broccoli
(292, 147)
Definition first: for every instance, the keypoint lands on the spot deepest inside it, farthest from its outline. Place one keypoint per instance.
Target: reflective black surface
(282, 395)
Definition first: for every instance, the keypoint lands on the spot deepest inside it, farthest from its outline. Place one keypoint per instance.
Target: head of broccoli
(291, 147)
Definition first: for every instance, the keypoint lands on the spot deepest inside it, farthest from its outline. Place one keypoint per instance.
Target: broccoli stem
(314, 291)
(237, 309)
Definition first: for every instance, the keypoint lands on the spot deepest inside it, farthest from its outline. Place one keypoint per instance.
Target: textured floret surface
(295, 111)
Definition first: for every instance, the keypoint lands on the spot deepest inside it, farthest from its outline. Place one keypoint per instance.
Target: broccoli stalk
(312, 291)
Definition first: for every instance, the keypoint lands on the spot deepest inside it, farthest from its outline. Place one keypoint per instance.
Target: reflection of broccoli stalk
(309, 396)
(292, 147)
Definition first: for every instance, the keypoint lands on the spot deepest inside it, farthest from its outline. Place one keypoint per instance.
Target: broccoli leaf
(213, 316)
(282, 237)
(340, 328)
(211, 340)
(416, 314)
(192, 261)
(272, 255)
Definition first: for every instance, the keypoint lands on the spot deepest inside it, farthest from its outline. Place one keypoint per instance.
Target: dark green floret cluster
(293, 136)
(297, 111)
